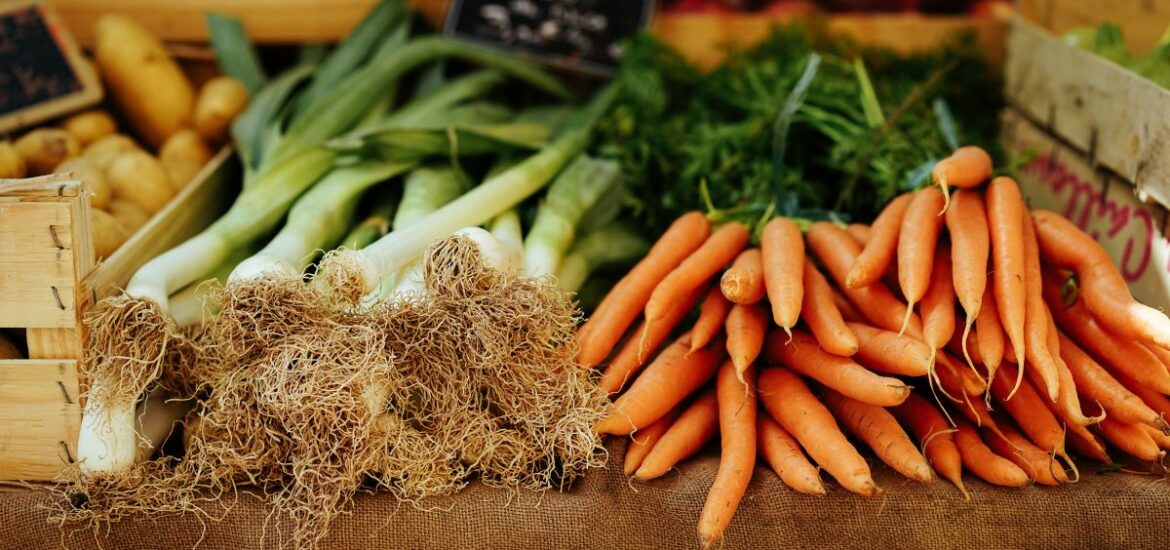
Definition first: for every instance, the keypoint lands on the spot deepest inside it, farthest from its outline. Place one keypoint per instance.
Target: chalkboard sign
(42, 74)
(583, 35)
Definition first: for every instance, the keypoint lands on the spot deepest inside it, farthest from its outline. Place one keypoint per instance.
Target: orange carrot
(1027, 408)
(783, 454)
(621, 306)
(669, 379)
(1154, 400)
(746, 326)
(1102, 287)
(717, 251)
(989, 333)
(848, 311)
(803, 355)
(938, 304)
(821, 315)
(789, 401)
(889, 352)
(1163, 356)
(1131, 439)
(935, 436)
(880, 247)
(970, 246)
(1033, 460)
(859, 231)
(967, 167)
(1118, 355)
(957, 348)
(917, 239)
(880, 430)
(743, 282)
(1036, 317)
(1005, 217)
(1086, 444)
(737, 457)
(712, 313)
(973, 384)
(1067, 398)
(837, 251)
(643, 441)
(693, 428)
(983, 462)
(642, 345)
(1160, 438)
(782, 250)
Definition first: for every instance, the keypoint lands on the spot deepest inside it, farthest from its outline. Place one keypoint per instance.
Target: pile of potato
(128, 184)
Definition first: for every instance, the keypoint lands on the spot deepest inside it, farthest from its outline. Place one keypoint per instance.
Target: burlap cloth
(604, 511)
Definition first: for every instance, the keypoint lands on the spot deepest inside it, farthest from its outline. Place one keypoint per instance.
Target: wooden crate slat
(40, 416)
(35, 231)
(28, 297)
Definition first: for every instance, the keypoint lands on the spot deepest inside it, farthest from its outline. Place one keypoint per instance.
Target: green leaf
(234, 52)
(869, 101)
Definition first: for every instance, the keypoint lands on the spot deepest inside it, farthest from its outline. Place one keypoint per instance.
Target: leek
(377, 223)
(506, 228)
(426, 190)
(612, 245)
(573, 193)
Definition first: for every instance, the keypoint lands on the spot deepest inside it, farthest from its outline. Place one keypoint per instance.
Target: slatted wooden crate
(48, 279)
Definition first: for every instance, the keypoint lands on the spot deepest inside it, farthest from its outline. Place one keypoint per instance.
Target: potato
(103, 151)
(8, 349)
(90, 125)
(183, 155)
(219, 102)
(129, 215)
(108, 234)
(137, 177)
(145, 82)
(88, 172)
(44, 148)
(11, 163)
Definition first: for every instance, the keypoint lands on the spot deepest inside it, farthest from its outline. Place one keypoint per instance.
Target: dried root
(128, 343)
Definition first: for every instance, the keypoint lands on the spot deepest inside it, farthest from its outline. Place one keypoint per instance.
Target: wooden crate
(1105, 111)
(48, 278)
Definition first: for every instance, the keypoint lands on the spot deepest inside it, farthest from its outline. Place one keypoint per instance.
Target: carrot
(743, 282)
(938, 304)
(1086, 444)
(1154, 400)
(889, 352)
(821, 315)
(880, 430)
(717, 251)
(802, 354)
(1163, 356)
(782, 251)
(880, 247)
(712, 313)
(643, 441)
(746, 326)
(1118, 355)
(737, 457)
(1005, 217)
(783, 454)
(1033, 460)
(973, 384)
(669, 379)
(1036, 318)
(693, 428)
(917, 240)
(989, 333)
(859, 231)
(1102, 287)
(1160, 438)
(641, 346)
(983, 462)
(837, 251)
(970, 247)
(788, 400)
(967, 167)
(621, 306)
(957, 347)
(952, 385)
(935, 436)
(1027, 408)
(1131, 439)
(848, 311)
(1067, 398)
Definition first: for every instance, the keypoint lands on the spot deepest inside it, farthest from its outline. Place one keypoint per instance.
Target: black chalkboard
(40, 75)
(583, 35)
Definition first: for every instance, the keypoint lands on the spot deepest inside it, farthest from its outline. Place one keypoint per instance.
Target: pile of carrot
(961, 330)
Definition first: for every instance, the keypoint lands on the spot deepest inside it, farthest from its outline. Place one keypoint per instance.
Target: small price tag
(580, 35)
(42, 72)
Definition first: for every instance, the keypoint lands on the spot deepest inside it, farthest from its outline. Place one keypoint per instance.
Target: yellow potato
(108, 234)
(103, 151)
(90, 125)
(219, 102)
(88, 172)
(137, 177)
(183, 155)
(129, 215)
(146, 83)
(44, 148)
(11, 163)
(8, 349)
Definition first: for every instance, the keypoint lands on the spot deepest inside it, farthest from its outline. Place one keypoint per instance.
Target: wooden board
(40, 416)
(1142, 22)
(1112, 115)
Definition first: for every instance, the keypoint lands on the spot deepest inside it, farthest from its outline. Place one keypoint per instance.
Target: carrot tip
(942, 183)
(906, 318)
